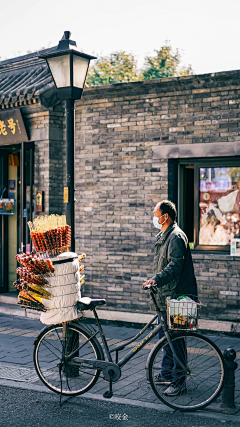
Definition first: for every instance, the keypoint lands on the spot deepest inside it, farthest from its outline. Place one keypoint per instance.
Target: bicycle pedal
(108, 394)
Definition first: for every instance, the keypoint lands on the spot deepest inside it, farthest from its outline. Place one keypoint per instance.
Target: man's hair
(168, 207)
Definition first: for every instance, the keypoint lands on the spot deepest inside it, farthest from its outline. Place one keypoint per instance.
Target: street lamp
(69, 69)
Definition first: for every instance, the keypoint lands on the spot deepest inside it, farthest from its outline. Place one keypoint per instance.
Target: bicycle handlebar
(149, 286)
(153, 288)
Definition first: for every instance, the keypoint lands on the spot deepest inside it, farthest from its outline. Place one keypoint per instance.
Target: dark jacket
(172, 266)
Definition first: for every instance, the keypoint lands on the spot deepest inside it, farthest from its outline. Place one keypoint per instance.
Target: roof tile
(24, 79)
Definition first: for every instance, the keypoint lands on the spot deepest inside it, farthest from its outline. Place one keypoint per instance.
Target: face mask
(156, 223)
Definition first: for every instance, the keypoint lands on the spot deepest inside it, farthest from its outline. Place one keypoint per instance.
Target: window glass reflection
(219, 205)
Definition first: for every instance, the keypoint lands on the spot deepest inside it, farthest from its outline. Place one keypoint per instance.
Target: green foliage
(121, 67)
(165, 63)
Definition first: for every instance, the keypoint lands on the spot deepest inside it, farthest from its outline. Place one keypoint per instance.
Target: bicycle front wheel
(56, 369)
(204, 380)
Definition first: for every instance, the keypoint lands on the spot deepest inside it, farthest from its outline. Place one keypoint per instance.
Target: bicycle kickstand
(109, 393)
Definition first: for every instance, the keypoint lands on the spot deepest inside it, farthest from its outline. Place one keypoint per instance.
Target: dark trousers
(171, 370)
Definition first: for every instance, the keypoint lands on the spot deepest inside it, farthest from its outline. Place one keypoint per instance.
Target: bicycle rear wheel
(57, 373)
(204, 360)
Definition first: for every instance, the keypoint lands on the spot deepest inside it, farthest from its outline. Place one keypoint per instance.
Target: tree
(165, 63)
(118, 67)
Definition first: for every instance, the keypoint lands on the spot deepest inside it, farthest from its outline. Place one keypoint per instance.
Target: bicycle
(69, 358)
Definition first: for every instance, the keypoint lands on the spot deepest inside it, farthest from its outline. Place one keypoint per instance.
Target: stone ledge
(184, 81)
(214, 257)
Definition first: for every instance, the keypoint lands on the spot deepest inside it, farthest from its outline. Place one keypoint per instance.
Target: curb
(208, 412)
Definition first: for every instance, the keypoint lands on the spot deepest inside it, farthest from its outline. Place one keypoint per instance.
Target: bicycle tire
(51, 366)
(206, 366)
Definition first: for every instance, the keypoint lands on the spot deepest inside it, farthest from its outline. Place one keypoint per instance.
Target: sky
(206, 32)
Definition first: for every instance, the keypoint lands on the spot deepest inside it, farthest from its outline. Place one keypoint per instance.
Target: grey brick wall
(218, 278)
(118, 182)
(46, 131)
(57, 155)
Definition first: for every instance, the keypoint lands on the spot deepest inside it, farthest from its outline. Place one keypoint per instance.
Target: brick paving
(16, 349)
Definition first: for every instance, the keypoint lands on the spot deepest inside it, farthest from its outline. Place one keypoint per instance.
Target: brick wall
(36, 122)
(218, 278)
(57, 155)
(118, 181)
(46, 131)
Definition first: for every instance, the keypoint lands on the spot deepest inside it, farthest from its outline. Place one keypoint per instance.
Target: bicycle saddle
(86, 303)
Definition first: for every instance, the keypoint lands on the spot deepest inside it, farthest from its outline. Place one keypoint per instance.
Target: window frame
(204, 163)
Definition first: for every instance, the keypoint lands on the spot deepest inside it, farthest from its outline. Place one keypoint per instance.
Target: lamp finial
(66, 35)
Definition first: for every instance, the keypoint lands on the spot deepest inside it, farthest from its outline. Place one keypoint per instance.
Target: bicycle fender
(42, 330)
(174, 334)
(153, 349)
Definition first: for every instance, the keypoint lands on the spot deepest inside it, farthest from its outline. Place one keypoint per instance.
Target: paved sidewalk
(16, 361)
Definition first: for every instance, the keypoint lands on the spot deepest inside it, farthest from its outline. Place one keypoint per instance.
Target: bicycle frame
(132, 352)
(70, 358)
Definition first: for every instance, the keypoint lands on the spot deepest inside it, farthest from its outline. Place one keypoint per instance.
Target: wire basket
(182, 314)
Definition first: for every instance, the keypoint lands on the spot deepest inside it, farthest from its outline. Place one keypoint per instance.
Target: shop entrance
(16, 183)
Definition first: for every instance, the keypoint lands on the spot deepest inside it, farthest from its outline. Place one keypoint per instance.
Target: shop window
(208, 202)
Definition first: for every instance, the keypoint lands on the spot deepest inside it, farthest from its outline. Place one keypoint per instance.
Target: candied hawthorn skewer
(49, 263)
(81, 257)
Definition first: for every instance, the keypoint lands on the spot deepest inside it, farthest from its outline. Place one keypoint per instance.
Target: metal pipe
(70, 167)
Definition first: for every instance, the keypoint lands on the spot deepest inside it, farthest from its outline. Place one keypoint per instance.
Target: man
(173, 273)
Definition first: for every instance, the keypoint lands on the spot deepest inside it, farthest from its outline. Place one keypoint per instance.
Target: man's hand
(149, 283)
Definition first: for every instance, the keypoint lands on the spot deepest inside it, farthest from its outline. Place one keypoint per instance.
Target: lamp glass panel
(60, 68)
(80, 67)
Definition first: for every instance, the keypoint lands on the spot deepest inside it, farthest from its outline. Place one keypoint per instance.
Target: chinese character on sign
(18, 126)
(12, 126)
(2, 128)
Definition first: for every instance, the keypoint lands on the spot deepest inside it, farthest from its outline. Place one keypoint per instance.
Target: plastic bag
(183, 306)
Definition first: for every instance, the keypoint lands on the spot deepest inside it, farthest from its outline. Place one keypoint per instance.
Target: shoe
(159, 379)
(175, 390)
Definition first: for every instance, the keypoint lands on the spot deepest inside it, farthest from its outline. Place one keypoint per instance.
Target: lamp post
(69, 69)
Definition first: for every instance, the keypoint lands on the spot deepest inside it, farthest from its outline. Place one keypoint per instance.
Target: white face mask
(156, 223)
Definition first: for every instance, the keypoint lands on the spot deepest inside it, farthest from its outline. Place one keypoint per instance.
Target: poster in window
(219, 205)
(7, 203)
(235, 247)
(11, 185)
